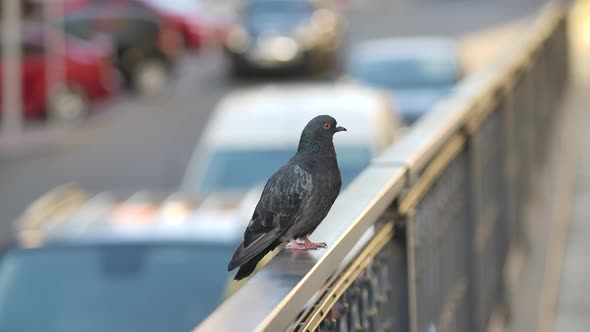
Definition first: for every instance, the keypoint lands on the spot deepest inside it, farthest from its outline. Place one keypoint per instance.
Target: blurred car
(146, 49)
(89, 75)
(255, 131)
(216, 18)
(419, 71)
(283, 35)
(201, 23)
(99, 262)
(177, 15)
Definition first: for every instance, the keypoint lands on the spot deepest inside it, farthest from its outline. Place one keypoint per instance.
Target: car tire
(67, 105)
(150, 77)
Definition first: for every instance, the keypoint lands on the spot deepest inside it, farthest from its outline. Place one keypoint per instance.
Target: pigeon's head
(318, 133)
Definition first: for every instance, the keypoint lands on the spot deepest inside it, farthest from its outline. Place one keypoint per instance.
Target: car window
(111, 288)
(139, 8)
(128, 5)
(79, 28)
(123, 30)
(228, 169)
(400, 73)
(262, 8)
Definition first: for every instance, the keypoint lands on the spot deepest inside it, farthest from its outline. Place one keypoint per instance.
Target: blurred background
(136, 134)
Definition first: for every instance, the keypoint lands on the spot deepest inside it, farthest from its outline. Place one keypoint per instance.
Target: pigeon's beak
(340, 129)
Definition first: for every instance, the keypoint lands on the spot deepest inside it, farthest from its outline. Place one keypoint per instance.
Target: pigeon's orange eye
(327, 125)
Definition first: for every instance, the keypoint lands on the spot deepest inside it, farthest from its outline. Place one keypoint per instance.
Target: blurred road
(146, 143)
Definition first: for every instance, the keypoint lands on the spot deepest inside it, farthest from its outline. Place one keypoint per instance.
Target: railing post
(412, 246)
(523, 129)
(529, 124)
(472, 187)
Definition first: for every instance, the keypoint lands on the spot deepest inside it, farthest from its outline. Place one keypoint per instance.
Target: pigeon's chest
(326, 187)
(326, 176)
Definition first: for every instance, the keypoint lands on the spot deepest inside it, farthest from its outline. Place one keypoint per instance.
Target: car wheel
(67, 105)
(150, 77)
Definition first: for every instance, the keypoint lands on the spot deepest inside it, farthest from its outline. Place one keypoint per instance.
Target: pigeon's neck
(307, 144)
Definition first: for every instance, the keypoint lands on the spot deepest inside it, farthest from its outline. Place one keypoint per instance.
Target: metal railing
(421, 239)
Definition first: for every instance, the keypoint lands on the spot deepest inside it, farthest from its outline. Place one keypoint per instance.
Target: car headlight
(284, 48)
(237, 39)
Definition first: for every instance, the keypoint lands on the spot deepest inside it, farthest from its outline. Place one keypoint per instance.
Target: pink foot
(307, 241)
(294, 245)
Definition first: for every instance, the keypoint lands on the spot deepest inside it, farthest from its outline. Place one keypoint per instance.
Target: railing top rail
(274, 297)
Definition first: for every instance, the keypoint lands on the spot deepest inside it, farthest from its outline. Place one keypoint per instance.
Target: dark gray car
(283, 35)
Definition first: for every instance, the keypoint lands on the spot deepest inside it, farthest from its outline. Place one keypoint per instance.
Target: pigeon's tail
(247, 269)
(247, 257)
(245, 254)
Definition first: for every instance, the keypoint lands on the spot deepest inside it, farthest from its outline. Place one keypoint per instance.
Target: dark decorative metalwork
(439, 230)
(489, 218)
(359, 308)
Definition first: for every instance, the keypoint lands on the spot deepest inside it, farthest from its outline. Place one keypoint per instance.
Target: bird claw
(301, 246)
(317, 245)
(308, 245)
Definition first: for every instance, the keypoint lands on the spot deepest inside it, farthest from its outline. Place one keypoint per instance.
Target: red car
(89, 76)
(179, 16)
(208, 20)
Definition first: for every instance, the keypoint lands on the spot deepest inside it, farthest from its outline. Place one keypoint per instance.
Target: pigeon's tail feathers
(249, 267)
(262, 244)
(234, 261)
(245, 270)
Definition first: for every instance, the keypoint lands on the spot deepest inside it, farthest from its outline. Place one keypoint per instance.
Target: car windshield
(111, 288)
(406, 73)
(241, 170)
(261, 9)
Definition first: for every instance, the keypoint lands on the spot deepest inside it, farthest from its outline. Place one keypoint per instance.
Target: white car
(255, 131)
(418, 71)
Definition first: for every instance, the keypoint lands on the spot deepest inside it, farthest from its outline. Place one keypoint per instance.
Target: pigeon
(295, 199)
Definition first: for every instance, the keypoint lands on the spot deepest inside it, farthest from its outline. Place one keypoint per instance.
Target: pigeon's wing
(282, 200)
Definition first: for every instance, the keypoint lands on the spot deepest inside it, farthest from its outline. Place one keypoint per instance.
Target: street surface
(131, 144)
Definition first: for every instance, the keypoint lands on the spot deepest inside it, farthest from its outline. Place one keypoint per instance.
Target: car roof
(70, 214)
(419, 47)
(274, 115)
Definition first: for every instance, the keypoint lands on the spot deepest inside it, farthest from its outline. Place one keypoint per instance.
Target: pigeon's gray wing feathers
(284, 196)
(282, 200)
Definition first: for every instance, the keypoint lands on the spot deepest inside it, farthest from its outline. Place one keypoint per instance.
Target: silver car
(417, 71)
